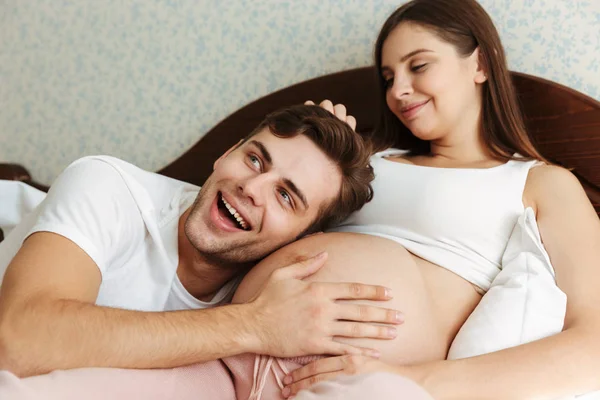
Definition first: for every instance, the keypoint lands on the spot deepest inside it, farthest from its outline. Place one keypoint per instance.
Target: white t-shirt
(126, 220)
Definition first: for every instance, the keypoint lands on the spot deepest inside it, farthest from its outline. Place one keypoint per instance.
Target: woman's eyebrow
(413, 53)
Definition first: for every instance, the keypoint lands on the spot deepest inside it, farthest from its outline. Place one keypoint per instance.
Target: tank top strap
(520, 172)
(390, 152)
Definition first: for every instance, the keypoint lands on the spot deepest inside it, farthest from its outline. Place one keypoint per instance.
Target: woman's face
(430, 87)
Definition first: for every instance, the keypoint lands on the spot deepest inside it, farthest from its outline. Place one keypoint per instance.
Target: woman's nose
(402, 86)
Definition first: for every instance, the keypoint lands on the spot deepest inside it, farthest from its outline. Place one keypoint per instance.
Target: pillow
(523, 303)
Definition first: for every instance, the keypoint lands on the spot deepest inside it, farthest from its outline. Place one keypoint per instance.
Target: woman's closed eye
(418, 67)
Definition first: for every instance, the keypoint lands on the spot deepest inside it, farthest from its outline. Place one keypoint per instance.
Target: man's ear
(480, 67)
(232, 148)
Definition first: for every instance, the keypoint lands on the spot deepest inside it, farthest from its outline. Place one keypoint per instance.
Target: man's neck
(198, 275)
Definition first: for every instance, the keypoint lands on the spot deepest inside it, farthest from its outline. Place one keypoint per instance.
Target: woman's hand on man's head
(339, 110)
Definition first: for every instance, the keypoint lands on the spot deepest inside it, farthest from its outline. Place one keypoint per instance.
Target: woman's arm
(565, 364)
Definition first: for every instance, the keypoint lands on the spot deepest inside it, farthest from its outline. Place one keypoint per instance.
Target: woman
(450, 101)
(442, 214)
(440, 219)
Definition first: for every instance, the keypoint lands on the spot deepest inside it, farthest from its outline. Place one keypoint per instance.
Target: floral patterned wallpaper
(144, 79)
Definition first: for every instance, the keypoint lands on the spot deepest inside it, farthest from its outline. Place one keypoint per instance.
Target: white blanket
(16, 200)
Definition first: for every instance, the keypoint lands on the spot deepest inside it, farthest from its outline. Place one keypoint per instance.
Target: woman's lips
(411, 111)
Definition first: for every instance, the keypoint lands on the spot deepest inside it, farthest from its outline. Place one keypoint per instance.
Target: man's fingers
(309, 103)
(362, 330)
(335, 348)
(301, 269)
(364, 313)
(358, 291)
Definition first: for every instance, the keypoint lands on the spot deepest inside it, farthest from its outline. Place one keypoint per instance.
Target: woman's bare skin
(435, 301)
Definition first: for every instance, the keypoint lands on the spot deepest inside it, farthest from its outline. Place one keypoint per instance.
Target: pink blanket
(246, 376)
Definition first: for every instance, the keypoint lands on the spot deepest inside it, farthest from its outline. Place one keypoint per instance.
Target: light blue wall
(144, 79)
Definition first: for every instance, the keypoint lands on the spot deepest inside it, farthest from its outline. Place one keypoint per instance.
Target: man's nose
(255, 188)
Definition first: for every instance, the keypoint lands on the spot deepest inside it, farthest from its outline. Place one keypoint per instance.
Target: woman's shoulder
(552, 184)
(544, 177)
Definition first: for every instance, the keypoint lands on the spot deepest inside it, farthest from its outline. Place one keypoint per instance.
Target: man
(119, 267)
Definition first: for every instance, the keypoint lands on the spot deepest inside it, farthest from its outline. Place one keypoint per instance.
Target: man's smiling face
(261, 196)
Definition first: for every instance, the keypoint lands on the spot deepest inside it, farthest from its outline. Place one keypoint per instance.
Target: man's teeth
(235, 214)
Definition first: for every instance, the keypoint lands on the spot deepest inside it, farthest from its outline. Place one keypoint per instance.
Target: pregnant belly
(435, 302)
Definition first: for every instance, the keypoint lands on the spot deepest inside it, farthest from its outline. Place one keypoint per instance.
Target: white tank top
(460, 219)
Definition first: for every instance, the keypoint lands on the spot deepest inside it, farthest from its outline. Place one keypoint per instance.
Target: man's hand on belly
(290, 317)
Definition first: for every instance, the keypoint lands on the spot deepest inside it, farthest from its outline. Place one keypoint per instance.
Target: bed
(564, 123)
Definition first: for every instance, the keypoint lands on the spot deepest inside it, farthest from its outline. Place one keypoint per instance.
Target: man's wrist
(246, 335)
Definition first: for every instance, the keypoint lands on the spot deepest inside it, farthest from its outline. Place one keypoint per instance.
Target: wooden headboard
(564, 123)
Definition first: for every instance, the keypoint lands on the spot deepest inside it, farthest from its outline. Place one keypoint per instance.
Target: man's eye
(285, 196)
(254, 160)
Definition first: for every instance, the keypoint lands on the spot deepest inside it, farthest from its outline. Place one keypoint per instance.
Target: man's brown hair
(344, 147)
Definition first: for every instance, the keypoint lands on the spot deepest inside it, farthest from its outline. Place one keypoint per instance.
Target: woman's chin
(423, 134)
(420, 129)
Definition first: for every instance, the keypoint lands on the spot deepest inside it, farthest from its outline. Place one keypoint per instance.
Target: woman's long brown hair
(465, 25)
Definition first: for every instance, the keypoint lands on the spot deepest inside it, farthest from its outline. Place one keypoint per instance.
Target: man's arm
(48, 319)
